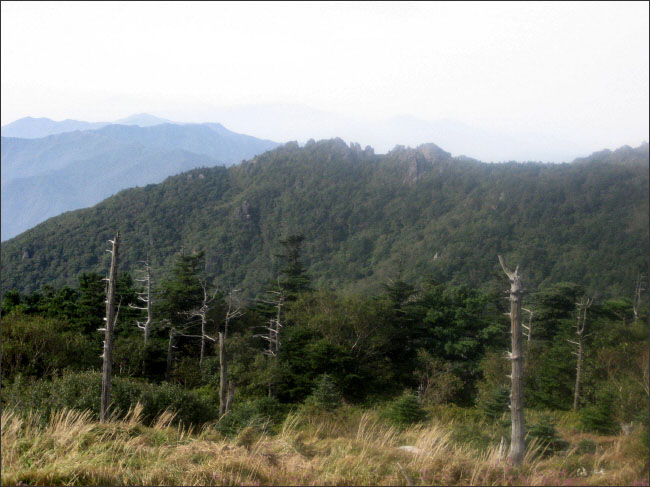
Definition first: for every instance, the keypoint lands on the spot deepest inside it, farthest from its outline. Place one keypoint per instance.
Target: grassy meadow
(349, 446)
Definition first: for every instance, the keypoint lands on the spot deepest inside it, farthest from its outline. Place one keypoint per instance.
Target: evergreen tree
(545, 432)
(183, 291)
(91, 301)
(326, 395)
(496, 404)
(10, 300)
(406, 410)
(293, 275)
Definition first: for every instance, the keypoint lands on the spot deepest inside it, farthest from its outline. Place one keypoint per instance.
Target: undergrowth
(347, 446)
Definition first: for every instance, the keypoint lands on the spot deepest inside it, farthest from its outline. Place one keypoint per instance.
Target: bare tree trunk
(272, 335)
(576, 393)
(202, 314)
(108, 335)
(233, 312)
(231, 395)
(145, 297)
(518, 431)
(639, 289)
(147, 324)
(223, 371)
(170, 354)
(278, 323)
(580, 330)
(203, 339)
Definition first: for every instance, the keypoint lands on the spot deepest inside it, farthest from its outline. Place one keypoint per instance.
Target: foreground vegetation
(336, 401)
(348, 446)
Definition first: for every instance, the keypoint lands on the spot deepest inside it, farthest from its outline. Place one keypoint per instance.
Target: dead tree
(638, 292)
(202, 314)
(231, 395)
(274, 325)
(583, 305)
(111, 318)
(170, 353)
(518, 430)
(146, 298)
(271, 334)
(234, 310)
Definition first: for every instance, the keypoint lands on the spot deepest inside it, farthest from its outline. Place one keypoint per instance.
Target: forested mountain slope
(46, 176)
(413, 213)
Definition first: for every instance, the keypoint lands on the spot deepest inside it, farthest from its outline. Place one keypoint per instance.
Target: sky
(574, 71)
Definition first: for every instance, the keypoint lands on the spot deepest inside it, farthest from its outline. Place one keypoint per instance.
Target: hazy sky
(575, 70)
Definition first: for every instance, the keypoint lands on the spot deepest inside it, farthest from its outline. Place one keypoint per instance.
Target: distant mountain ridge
(42, 177)
(287, 122)
(142, 120)
(415, 213)
(35, 128)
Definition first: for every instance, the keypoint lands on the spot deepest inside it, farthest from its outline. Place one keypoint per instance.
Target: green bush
(405, 410)
(260, 414)
(326, 394)
(586, 446)
(448, 413)
(41, 347)
(474, 435)
(496, 403)
(546, 434)
(82, 391)
(599, 417)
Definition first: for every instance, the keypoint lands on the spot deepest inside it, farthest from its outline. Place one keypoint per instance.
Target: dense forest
(412, 213)
(442, 339)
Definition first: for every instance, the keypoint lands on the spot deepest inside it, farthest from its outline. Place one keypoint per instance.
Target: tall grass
(347, 447)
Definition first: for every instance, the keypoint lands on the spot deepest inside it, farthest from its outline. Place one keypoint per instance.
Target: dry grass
(349, 448)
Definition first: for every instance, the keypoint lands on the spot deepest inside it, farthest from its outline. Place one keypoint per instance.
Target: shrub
(473, 435)
(438, 383)
(39, 346)
(405, 410)
(496, 403)
(326, 395)
(586, 446)
(599, 417)
(546, 434)
(258, 414)
(128, 354)
(82, 391)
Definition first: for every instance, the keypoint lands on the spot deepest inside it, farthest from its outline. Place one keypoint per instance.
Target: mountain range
(288, 122)
(35, 128)
(367, 218)
(81, 163)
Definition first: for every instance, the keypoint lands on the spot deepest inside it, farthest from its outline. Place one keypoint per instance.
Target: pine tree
(326, 395)
(406, 410)
(293, 276)
(183, 291)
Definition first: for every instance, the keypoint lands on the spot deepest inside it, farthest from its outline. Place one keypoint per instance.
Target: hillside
(44, 177)
(413, 213)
